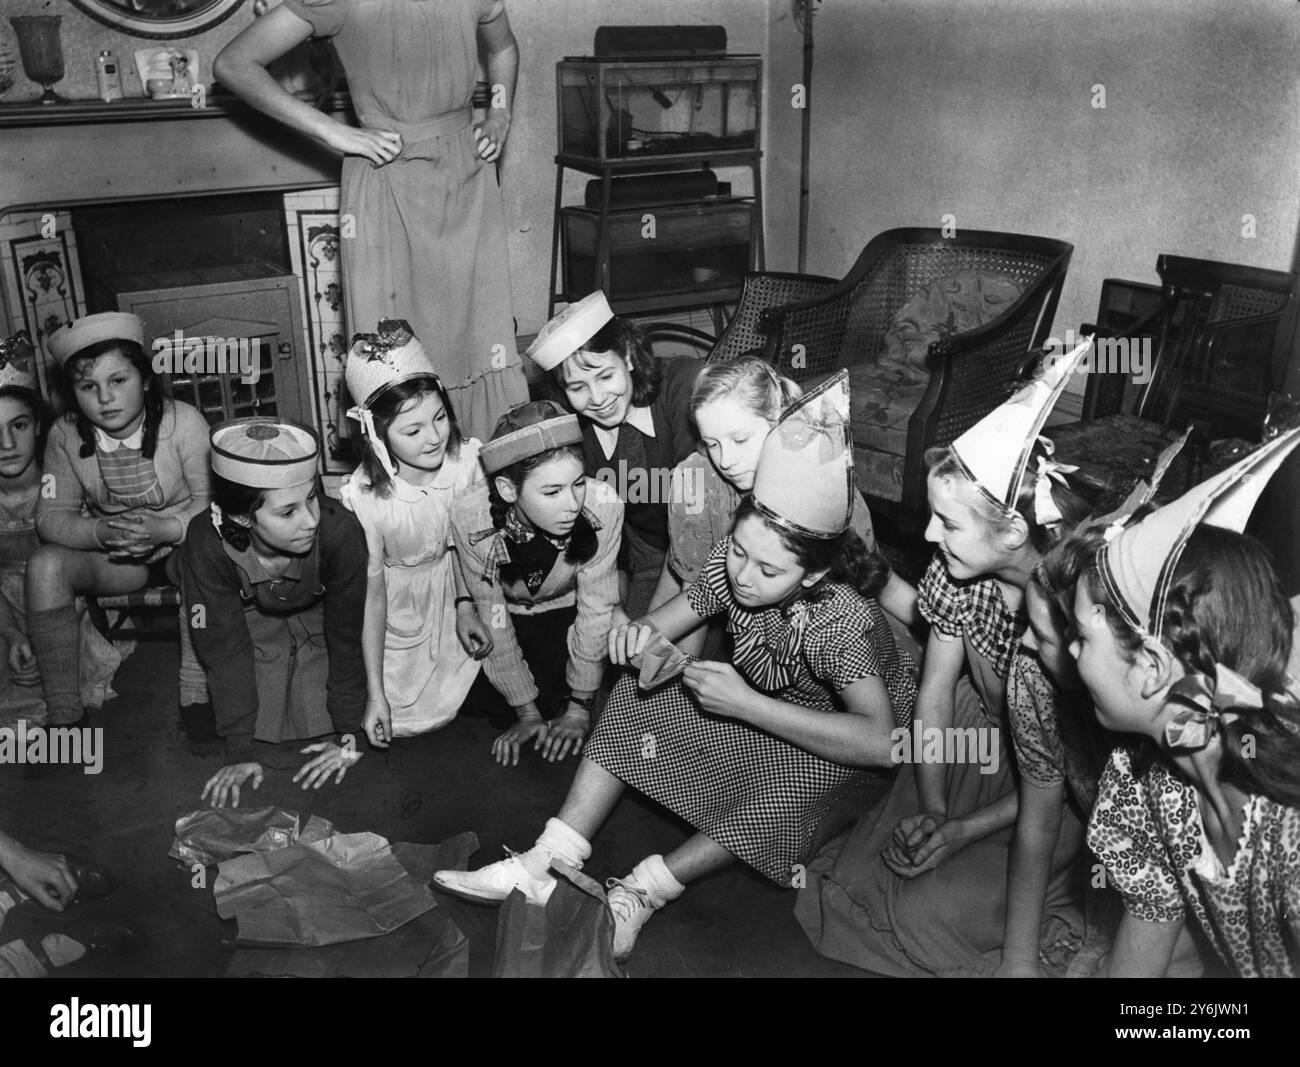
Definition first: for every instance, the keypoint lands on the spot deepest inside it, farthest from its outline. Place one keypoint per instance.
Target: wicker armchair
(808, 326)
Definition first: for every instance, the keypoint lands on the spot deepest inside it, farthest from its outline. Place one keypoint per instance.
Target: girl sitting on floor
(125, 469)
(1183, 635)
(766, 756)
(735, 404)
(539, 546)
(917, 887)
(634, 409)
(274, 580)
(422, 638)
(24, 423)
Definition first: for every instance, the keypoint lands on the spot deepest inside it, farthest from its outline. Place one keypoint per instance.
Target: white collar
(642, 418)
(111, 444)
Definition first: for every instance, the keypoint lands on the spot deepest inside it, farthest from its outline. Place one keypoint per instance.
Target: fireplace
(212, 219)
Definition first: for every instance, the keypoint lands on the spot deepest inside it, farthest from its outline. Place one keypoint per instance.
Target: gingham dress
(763, 799)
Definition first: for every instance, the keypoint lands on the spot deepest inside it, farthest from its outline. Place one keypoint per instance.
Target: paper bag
(571, 937)
(215, 834)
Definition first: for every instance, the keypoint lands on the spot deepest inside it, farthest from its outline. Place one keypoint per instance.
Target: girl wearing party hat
(126, 469)
(1183, 634)
(764, 755)
(917, 886)
(1060, 748)
(24, 424)
(634, 409)
(539, 546)
(274, 583)
(735, 405)
(423, 637)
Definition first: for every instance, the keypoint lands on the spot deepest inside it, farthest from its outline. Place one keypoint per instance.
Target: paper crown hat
(995, 452)
(1137, 564)
(569, 330)
(804, 479)
(264, 453)
(18, 361)
(67, 341)
(526, 430)
(376, 362)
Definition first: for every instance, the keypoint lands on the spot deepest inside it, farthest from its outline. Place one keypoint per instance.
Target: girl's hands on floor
(331, 760)
(506, 748)
(566, 734)
(224, 785)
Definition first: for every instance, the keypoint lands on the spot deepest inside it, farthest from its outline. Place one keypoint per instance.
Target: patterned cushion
(950, 305)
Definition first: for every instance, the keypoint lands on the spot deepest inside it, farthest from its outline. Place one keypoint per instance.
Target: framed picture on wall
(161, 19)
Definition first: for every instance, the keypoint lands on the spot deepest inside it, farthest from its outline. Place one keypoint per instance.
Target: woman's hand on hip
(490, 137)
(378, 146)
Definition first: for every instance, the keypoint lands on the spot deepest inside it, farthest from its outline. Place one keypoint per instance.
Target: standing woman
(635, 412)
(430, 238)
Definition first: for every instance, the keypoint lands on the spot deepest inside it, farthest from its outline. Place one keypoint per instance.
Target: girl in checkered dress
(762, 755)
(918, 887)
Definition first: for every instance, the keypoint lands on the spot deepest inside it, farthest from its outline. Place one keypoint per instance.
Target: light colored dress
(1147, 831)
(427, 672)
(429, 243)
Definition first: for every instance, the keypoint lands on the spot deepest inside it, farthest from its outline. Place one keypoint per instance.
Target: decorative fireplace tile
(312, 218)
(41, 274)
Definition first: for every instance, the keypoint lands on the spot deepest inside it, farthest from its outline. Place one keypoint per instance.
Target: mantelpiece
(90, 151)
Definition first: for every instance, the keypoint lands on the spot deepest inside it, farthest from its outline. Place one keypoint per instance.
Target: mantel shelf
(136, 109)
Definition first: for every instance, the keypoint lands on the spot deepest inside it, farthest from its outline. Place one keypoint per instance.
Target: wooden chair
(808, 326)
(1208, 347)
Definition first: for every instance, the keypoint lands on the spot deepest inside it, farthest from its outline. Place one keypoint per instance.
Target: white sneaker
(493, 883)
(631, 907)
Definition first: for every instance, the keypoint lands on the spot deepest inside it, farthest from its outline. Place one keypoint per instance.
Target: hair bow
(827, 422)
(16, 350)
(1212, 699)
(363, 415)
(1049, 471)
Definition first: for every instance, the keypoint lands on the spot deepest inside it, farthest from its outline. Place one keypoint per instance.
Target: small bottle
(108, 76)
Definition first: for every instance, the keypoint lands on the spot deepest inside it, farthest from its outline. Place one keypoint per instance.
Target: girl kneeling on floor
(423, 639)
(765, 756)
(126, 470)
(539, 547)
(1183, 634)
(274, 580)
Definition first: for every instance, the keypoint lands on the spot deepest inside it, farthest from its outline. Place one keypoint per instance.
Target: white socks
(652, 875)
(560, 841)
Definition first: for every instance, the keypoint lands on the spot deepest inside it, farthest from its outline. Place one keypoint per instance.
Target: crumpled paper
(660, 661)
(215, 834)
(347, 887)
